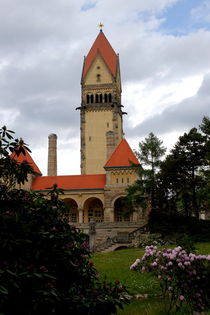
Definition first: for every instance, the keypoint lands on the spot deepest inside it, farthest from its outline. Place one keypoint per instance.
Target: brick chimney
(52, 155)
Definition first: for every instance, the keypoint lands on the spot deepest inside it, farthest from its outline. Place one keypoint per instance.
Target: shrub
(44, 262)
(184, 278)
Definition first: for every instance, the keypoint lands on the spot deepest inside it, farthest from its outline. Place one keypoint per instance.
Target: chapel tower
(101, 114)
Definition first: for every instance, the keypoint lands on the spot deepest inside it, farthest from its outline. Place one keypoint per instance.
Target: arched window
(98, 78)
(93, 210)
(71, 213)
(105, 98)
(88, 99)
(121, 211)
(100, 98)
(91, 99)
(110, 97)
(96, 98)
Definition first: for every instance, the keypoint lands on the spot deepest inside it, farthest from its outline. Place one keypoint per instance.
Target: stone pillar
(52, 155)
(92, 235)
(108, 214)
(80, 215)
(110, 143)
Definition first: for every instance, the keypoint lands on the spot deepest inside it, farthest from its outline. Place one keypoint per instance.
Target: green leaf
(3, 290)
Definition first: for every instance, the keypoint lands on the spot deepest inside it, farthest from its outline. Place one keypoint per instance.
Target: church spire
(102, 47)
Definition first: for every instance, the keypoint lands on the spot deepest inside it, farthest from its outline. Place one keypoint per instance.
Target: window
(90, 138)
(122, 180)
(105, 98)
(88, 99)
(116, 180)
(73, 217)
(128, 180)
(110, 97)
(98, 78)
(100, 98)
(107, 124)
(96, 98)
(91, 99)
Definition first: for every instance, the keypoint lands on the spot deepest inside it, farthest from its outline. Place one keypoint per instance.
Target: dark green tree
(44, 262)
(205, 126)
(182, 172)
(144, 190)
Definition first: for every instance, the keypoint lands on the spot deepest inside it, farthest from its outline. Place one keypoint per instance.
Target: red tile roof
(70, 182)
(27, 158)
(122, 156)
(103, 47)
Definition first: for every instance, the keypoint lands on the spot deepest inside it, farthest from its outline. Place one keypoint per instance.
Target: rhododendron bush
(184, 278)
(44, 262)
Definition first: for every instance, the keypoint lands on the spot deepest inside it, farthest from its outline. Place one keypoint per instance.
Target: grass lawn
(115, 266)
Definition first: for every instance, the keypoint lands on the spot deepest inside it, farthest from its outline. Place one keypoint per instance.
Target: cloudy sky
(164, 48)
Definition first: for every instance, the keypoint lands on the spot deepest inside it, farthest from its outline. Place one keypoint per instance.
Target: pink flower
(181, 297)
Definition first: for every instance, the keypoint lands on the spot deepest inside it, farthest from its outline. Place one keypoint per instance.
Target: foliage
(186, 243)
(12, 172)
(184, 278)
(44, 263)
(168, 224)
(144, 192)
(176, 187)
(181, 172)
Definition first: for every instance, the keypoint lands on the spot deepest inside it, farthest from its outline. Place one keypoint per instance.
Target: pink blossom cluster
(135, 264)
(183, 276)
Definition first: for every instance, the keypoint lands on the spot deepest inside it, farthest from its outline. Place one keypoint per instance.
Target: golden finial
(101, 26)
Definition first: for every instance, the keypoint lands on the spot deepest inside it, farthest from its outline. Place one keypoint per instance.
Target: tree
(150, 153)
(182, 172)
(11, 172)
(205, 126)
(44, 262)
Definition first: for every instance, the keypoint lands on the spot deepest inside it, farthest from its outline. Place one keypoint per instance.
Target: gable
(122, 156)
(102, 46)
(98, 68)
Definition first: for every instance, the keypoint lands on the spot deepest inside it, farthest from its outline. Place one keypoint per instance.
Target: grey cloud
(179, 117)
(42, 44)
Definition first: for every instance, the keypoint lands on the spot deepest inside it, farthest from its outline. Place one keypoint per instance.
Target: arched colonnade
(93, 209)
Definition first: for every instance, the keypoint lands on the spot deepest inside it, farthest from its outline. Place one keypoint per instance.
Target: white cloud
(42, 44)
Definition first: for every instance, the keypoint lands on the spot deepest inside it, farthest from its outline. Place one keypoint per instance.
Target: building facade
(106, 157)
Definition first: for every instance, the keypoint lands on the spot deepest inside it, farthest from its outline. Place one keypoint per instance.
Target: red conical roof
(103, 47)
(122, 156)
(27, 158)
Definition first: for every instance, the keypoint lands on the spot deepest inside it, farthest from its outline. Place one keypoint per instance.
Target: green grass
(115, 266)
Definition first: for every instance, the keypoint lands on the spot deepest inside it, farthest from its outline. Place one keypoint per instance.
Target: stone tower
(101, 109)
